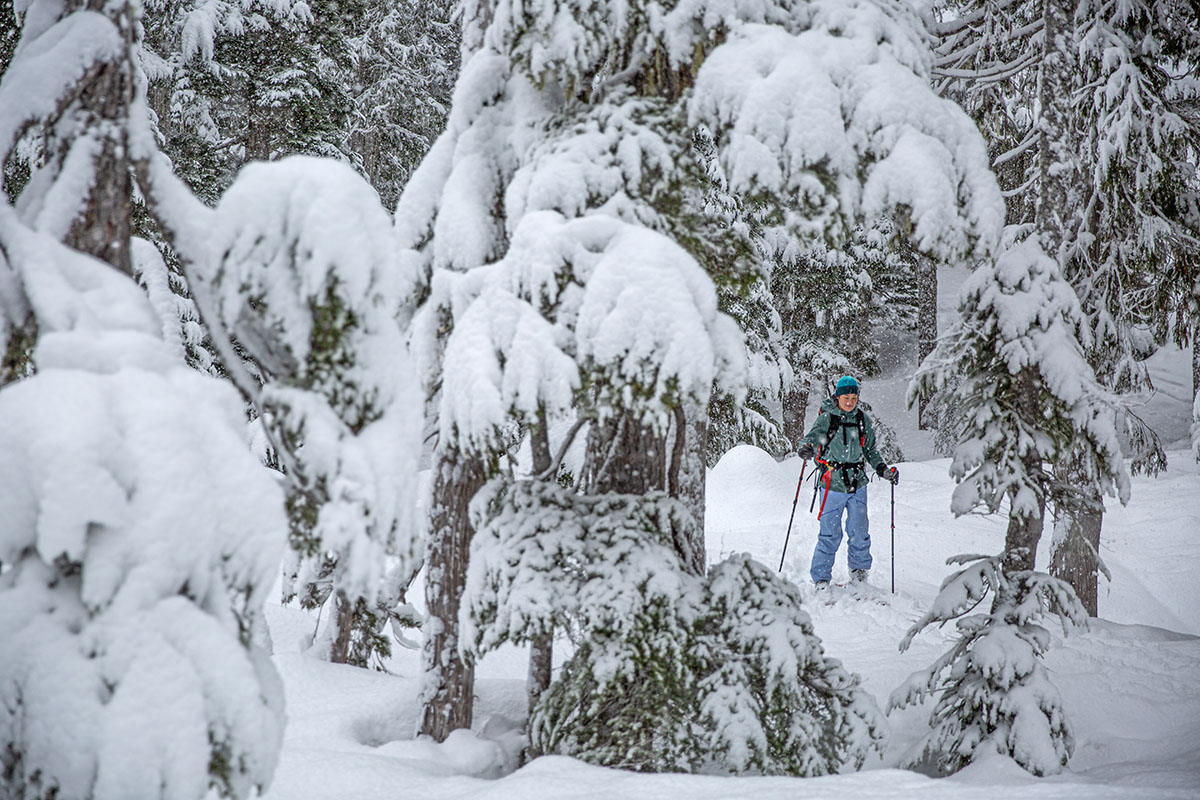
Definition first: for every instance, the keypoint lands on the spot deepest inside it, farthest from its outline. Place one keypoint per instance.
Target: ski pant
(858, 548)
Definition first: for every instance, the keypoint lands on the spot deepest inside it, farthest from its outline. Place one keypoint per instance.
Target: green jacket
(848, 448)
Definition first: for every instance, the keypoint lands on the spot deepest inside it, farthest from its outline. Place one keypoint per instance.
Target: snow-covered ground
(1130, 684)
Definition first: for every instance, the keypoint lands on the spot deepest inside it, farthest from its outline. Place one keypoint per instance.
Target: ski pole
(893, 538)
(799, 483)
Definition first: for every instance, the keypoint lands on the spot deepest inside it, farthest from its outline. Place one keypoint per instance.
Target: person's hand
(805, 450)
(889, 474)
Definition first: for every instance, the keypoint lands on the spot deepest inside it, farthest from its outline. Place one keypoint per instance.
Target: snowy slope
(1131, 684)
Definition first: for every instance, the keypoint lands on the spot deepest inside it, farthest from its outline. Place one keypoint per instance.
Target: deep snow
(1131, 684)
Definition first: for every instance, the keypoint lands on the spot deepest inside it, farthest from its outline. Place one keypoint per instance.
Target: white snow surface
(1130, 685)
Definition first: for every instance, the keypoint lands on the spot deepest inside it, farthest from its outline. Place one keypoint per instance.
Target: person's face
(847, 402)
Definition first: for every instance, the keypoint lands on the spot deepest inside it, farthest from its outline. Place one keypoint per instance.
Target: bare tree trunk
(1195, 358)
(448, 693)
(1075, 556)
(344, 610)
(927, 325)
(541, 649)
(626, 457)
(105, 226)
(541, 668)
(795, 409)
(690, 486)
(258, 128)
(1025, 529)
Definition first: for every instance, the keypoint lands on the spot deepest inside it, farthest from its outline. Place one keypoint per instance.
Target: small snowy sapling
(992, 690)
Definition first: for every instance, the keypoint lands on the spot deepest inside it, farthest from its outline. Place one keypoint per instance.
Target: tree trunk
(105, 225)
(344, 609)
(541, 667)
(448, 692)
(624, 457)
(927, 325)
(795, 409)
(1055, 145)
(1021, 541)
(690, 486)
(1025, 529)
(541, 649)
(258, 128)
(1196, 358)
(1075, 557)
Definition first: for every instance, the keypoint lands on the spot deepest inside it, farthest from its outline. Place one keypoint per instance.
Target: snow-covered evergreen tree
(674, 672)
(130, 601)
(603, 123)
(307, 282)
(993, 691)
(1027, 394)
(1085, 108)
(1029, 400)
(237, 82)
(405, 61)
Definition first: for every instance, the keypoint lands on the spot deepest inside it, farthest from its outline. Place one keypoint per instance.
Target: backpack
(849, 470)
(836, 422)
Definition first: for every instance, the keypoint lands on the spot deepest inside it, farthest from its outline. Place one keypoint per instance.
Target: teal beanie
(845, 385)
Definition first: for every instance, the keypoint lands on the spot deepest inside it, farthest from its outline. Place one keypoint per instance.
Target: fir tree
(232, 84)
(131, 603)
(405, 60)
(1028, 400)
(1084, 109)
(675, 672)
(993, 691)
(611, 132)
(307, 282)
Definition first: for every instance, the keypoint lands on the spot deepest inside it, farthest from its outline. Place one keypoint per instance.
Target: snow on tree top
(839, 121)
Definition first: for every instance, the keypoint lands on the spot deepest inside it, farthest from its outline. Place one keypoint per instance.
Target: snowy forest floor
(1130, 684)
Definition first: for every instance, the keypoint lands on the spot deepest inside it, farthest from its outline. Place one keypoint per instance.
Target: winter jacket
(848, 448)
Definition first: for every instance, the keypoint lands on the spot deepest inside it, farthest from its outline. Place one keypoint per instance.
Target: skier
(840, 440)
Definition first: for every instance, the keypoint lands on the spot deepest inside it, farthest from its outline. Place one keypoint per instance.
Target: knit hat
(845, 385)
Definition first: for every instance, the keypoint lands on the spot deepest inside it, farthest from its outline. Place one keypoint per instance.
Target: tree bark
(448, 693)
(105, 226)
(795, 409)
(541, 668)
(927, 325)
(1076, 553)
(258, 127)
(344, 609)
(541, 649)
(624, 457)
(1025, 529)
(691, 486)
(1055, 146)
(1195, 358)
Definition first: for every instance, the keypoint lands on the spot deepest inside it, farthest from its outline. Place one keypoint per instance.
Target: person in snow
(842, 440)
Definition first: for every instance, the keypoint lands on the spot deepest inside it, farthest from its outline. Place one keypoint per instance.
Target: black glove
(805, 450)
(889, 474)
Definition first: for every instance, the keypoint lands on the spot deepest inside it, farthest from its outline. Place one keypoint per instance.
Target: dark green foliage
(642, 718)
(729, 677)
(405, 62)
